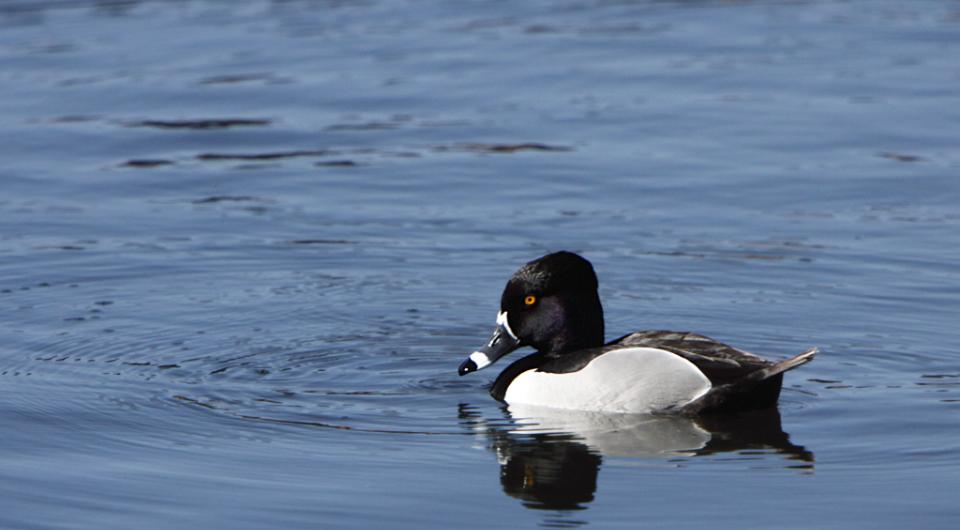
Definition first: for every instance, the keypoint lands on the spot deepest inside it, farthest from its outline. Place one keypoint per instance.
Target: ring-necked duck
(552, 305)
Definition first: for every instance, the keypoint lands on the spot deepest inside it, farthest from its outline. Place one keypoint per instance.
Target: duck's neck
(583, 329)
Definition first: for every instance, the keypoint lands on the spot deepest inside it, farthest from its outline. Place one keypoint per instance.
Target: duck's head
(550, 304)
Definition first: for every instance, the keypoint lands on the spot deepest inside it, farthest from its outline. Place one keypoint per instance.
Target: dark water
(245, 245)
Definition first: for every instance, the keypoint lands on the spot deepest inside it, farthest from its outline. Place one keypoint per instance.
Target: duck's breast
(636, 380)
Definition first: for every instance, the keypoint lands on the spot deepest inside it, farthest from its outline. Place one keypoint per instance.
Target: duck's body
(647, 372)
(552, 304)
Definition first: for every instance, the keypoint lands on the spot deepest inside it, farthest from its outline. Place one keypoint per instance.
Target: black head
(550, 304)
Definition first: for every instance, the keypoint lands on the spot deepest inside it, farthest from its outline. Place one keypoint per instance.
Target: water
(245, 245)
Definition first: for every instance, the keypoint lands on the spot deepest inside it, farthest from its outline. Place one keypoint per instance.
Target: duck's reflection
(550, 459)
(559, 475)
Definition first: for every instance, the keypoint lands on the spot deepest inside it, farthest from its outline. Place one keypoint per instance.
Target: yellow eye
(530, 299)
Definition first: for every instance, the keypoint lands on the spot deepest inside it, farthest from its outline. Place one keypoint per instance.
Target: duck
(552, 305)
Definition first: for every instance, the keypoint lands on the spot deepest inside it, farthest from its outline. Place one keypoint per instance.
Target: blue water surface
(245, 245)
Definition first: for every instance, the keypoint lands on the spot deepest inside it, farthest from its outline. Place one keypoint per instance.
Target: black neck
(583, 329)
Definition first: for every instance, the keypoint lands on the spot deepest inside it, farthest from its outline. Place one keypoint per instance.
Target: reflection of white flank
(480, 359)
(636, 435)
(502, 321)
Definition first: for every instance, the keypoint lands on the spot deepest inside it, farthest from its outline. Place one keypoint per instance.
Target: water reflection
(550, 459)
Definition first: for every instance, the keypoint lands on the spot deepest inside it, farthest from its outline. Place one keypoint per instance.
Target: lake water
(245, 245)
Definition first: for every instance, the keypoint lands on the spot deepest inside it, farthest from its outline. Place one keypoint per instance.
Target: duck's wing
(758, 388)
(721, 363)
(740, 379)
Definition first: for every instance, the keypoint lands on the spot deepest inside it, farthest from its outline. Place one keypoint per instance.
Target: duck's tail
(755, 390)
(779, 367)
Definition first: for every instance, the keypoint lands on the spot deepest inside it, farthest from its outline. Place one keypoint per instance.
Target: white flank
(635, 380)
(480, 359)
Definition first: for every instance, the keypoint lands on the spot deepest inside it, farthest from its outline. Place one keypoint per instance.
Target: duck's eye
(530, 300)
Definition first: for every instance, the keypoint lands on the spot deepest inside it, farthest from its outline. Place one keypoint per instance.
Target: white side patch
(480, 359)
(635, 380)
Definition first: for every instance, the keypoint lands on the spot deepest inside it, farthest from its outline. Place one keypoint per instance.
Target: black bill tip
(466, 367)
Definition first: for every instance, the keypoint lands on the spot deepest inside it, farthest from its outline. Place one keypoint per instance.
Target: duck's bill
(501, 343)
